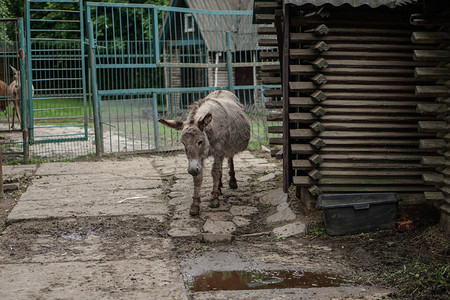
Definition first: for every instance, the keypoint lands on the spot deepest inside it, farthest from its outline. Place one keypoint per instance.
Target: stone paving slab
(124, 279)
(84, 189)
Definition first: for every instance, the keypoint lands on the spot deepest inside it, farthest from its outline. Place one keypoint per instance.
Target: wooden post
(1, 176)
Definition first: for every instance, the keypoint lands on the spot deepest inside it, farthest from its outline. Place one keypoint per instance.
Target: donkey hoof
(214, 203)
(194, 210)
(233, 184)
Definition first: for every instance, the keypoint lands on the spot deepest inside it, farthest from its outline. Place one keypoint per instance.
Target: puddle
(254, 280)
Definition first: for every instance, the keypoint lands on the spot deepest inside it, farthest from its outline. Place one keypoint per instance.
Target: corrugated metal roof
(354, 3)
(214, 27)
(220, 4)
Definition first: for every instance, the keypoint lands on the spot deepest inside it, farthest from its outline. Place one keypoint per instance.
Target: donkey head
(194, 139)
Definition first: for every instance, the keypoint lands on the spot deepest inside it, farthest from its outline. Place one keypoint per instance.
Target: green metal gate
(59, 110)
(152, 62)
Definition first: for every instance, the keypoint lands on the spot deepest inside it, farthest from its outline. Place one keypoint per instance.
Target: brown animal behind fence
(11, 95)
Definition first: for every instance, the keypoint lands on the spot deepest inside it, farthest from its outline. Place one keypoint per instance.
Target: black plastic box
(356, 213)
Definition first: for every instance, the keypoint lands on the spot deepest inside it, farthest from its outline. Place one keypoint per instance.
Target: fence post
(23, 91)
(93, 70)
(229, 62)
(155, 120)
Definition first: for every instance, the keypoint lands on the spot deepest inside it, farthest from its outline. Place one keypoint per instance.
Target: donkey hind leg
(233, 182)
(216, 173)
(195, 206)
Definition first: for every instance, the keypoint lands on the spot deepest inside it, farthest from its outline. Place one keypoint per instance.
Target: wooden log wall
(435, 33)
(352, 95)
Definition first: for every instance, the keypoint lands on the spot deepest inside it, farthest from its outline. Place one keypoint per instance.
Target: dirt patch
(413, 264)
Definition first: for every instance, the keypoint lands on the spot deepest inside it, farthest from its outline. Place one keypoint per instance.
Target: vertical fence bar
(155, 119)
(23, 90)
(98, 138)
(29, 73)
(229, 62)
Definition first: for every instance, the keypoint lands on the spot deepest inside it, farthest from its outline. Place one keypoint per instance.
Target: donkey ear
(204, 122)
(13, 69)
(175, 124)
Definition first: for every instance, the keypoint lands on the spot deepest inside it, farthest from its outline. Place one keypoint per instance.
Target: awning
(354, 3)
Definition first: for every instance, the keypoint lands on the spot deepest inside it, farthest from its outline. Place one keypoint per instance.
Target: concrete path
(111, 229)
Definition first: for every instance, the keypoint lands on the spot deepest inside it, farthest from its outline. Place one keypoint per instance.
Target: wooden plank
(364, 126)
(431, 108)
(433, 144)
(371, 134)
(371, 96)
(372, 173)
(271, 80)
(302, 134)
(370, 110)
(302, 117)
(359, 55)
(432, 91)
(275, 129)
(310, 70)
(302, 164)
(298, 133)
(274, 104)
(272, 92)
(306, 86)
(275, 116)
(433, 178)
(374, 64)
(264, 18)
(371, 166)
(407, 48)
(381, 166)
(369, 181)
(301, 102)
(432, 126)
(372, 149)
(266, 30)
(374, 80)
(276, 141)
(429, 37)
(271, 68)
(365, 103)
(309, 37)
(372, 118)
(302, 149)
(432, 73)
(372, 157)
(433, 161)
(434, 196)
(267, 43)
(375, 188)
(381, 141)
(432, 55)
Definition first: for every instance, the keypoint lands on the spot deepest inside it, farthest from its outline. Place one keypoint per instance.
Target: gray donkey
(216, 126)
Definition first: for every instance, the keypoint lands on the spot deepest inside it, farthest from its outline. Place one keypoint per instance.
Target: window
(188, 23)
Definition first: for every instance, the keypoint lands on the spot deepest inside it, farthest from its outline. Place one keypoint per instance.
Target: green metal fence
(101, 74)
(153, 62)
(13, 125)
(59, 108)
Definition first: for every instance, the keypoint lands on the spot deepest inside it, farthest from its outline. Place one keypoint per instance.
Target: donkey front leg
(233, 182)
(195, 206)
(216, 173)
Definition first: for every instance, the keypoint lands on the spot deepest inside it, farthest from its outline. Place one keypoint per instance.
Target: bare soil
(415, 264)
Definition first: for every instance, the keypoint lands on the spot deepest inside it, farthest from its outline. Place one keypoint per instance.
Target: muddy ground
(410, 265)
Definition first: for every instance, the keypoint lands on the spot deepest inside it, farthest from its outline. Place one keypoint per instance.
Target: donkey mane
(194, 108)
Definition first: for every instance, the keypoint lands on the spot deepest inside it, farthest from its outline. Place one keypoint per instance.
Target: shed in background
(365, 87)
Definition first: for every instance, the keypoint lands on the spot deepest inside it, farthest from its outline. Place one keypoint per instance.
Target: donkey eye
(200, 143)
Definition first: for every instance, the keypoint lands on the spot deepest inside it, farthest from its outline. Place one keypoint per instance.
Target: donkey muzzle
(195, 167)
